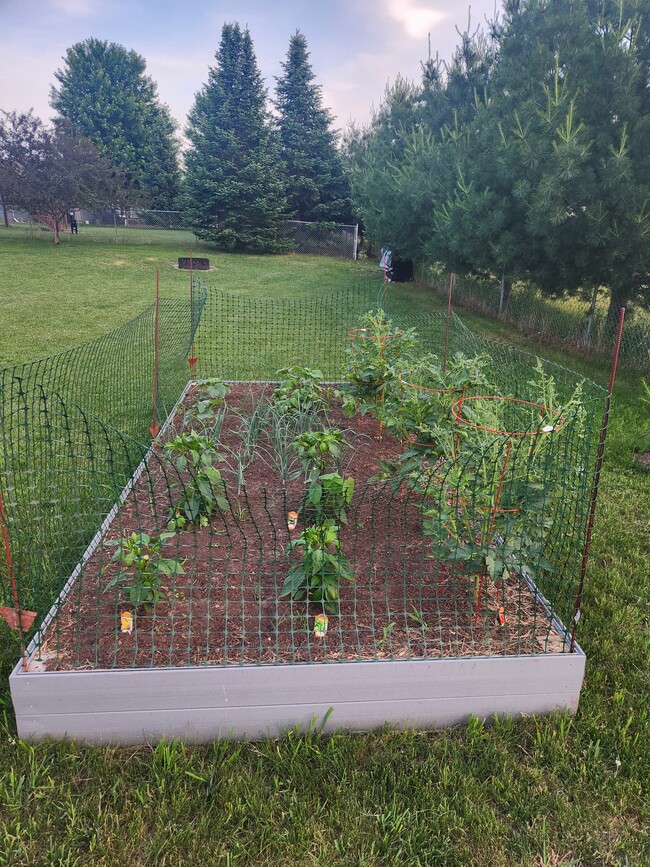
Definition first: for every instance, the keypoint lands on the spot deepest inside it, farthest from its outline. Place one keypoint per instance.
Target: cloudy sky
(356, 45)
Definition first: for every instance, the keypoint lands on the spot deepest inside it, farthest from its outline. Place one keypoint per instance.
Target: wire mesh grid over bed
(326, 487)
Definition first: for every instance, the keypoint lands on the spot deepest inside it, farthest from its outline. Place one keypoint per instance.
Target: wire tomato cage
(517, 410)
(427, 390)
(357, 334)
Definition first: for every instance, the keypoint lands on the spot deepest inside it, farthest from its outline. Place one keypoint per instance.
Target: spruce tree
(317, 188)
(234, 188)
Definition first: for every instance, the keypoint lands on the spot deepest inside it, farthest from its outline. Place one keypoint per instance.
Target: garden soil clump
(226, 606)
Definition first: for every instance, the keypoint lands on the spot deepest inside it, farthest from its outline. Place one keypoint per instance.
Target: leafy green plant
(299, 390)
(497, 498)
(205, 489)
(206, 410)
(418, 408)
(376, 351)
(328, 497)
(460, 373)
(486, 542)
(322, 566)
(191, 449)
(144, 567)
(319, 450)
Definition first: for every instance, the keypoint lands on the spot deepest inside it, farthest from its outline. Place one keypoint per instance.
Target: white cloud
(416, 20)
(398, 30)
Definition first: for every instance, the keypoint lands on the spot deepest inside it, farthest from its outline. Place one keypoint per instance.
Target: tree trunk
(5, 214)
(56, 231)
(590, 321)
(618, 299)
(506, 292)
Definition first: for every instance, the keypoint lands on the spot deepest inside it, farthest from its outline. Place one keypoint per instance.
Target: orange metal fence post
(192, 359)
(16, 618)
(155, 427)
(594, 493)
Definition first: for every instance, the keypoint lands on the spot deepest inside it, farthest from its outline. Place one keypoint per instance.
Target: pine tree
(374, 153)
(105, 95)
(573, 121)
(234, 193)
(317, 188)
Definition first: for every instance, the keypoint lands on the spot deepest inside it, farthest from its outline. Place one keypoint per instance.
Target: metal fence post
(594, 493)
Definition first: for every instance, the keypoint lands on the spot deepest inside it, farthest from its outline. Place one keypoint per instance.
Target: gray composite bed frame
(202, 703)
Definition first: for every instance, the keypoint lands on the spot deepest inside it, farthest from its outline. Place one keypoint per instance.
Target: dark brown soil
(226, 606)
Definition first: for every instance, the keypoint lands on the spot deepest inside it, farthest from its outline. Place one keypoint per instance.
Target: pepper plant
(300, 390)
(144, 568)
(319, 450)
(328, 497)
(322, 566)
(206, 411)
(205, 489)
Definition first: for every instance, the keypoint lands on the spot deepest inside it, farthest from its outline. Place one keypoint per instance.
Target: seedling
(417, 617)
(385, 630)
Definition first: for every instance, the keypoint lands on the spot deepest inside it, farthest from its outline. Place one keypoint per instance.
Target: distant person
(386, 263)
(74, 230)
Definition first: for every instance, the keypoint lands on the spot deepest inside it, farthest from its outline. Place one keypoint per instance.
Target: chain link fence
(574, 323)
(322, 239)
(141, 226)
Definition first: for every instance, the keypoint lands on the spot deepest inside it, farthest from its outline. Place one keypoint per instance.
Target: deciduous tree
(104, 93)
(50, 172)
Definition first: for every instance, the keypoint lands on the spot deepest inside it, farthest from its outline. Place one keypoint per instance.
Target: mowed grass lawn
(550, 791)
(53, 298)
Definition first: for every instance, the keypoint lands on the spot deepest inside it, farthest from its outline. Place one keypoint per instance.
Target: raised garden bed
(224, 652)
